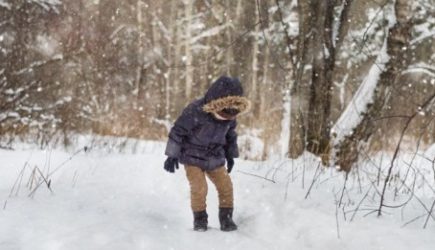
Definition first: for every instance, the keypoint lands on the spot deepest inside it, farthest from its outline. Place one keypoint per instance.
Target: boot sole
(228, 229)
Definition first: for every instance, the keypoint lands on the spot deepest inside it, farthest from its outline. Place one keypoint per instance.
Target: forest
(337, 151)
(342, 79)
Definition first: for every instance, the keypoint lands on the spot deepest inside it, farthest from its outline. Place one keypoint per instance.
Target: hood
(226, 92)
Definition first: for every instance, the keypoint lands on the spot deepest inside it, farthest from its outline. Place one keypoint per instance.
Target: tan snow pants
(198, 187)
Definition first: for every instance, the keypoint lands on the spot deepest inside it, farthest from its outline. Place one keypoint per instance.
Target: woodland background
(127, 69)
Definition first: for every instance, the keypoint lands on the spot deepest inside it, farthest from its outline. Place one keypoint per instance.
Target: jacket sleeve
(232, 149)
(182, 128)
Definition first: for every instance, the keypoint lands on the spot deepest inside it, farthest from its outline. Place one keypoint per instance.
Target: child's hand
(230, 164)
(170, 164)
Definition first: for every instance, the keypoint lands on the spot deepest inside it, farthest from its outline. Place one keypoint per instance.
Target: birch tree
(376, 89)
(188, 58)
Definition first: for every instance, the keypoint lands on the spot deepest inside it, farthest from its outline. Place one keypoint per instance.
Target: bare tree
(397, 48)
(188, 57)
(326, 38)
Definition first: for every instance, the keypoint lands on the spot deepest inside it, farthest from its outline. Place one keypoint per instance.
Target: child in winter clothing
(202, 139)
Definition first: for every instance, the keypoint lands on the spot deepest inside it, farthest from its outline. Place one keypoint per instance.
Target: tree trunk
(177, 71)
(297, 125)
(140, 53)
(254, 66)
(188, 9)
(319, 121)
(398, 38)
(170, 71)
(228, 35)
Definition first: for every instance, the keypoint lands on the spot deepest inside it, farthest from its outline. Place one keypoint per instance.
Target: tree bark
(319, 121)
(398, 38)
(297, 125)
(140, 52)
(188, 10)
(254, 64)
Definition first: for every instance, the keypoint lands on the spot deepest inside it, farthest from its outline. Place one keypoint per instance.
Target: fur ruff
(237, 102)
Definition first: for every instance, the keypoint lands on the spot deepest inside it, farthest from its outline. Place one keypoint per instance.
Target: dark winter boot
(226, 219)
(200, 221)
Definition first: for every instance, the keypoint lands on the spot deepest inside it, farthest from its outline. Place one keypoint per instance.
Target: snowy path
(128, 202)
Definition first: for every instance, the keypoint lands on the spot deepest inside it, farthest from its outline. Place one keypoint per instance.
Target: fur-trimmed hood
(236, 102)
(226, 92)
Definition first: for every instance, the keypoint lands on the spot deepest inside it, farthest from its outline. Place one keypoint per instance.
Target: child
(202, 138)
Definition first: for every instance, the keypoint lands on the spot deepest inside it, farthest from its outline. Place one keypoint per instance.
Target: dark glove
(170, 164)
(230, 164)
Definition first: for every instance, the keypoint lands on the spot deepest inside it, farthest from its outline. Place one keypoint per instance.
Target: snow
(34, 64)
(419, 71)
(251, 145)
(3, 116)
(420, 68)
(337, 24)
(207, 33)
(430, 152)
(104, 200)
(47, 45)
(5, 4)
(423, 36)
(47, 4)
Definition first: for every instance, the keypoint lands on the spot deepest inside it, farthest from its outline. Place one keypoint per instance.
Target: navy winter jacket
(198, 138)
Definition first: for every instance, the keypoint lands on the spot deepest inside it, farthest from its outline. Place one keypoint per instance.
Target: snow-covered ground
(103, 200)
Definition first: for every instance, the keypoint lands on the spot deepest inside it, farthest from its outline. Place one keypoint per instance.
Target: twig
(409, 189)
(344, 188)
(417, 171)
(286, 188)
(416, 150)
(396, 152)
(74, 180)
(433, 168)
(337, 222)
(417, 198)
(258, 176)
(373, 211)
(31, 179)
(329, 178)
(360, 203)
(359, 180)
(84, 149)
(17, 182)
(31, 194)
(277, 169)
(429, 214)
(344, 214)
(293, 172)
(314, 181)
(303, 175)
(47, 182)
(415, 219)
